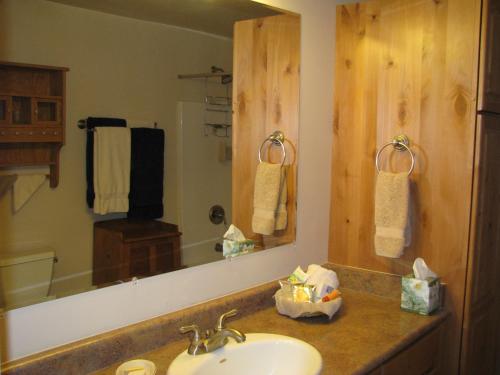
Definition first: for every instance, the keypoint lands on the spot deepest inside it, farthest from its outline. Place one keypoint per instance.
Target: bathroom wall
(407, 67)
(38, 327)
(118, 67)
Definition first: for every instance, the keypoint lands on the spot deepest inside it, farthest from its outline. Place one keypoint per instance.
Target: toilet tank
(26, 276)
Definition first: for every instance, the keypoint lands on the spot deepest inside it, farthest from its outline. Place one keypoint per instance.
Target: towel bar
(400, 143)
(277, 138)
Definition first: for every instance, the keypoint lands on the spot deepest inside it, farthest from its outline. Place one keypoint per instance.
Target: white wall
(38, 327)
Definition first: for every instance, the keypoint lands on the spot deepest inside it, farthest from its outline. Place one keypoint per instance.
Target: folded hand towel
(111, 169)
(265, 199)
(392, 198)
(93, 122)
(281, 213)
(146, 174)
(24, 187)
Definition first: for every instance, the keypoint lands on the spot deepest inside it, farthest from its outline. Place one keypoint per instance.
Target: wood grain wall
(265, 99)
(407, 66)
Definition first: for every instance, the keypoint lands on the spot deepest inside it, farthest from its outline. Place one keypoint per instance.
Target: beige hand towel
(392, 198)
(111, 169)
(265, 198)
(24, 188)
(281, 213)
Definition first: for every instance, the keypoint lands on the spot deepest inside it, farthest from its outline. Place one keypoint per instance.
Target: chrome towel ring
(400, 143)
(277, 138)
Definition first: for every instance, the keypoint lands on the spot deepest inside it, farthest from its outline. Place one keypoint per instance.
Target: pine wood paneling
(265, 99)
(407, 66)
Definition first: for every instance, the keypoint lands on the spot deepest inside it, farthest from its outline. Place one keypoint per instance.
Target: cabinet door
(46, 111)
(481, 327)
(491, 64)
(5, 109)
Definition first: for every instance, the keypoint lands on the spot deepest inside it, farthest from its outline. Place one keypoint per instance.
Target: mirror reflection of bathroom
(118, 152)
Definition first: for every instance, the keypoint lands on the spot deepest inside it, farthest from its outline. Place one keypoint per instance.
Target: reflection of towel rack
(82, 124)
(277, 138)
(400, 143)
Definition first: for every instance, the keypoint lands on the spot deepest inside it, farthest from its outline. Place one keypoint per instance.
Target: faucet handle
(192, 328)
(220, 322)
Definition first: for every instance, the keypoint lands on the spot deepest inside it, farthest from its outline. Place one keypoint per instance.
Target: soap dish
(137, 367)
(288, 307)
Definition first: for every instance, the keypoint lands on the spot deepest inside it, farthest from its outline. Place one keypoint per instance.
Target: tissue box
(420, 296)
(234, 248)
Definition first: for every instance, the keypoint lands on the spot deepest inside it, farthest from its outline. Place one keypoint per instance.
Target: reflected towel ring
(277, 138)
(400, 143)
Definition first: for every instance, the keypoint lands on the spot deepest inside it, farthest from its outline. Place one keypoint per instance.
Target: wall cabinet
(32, 116)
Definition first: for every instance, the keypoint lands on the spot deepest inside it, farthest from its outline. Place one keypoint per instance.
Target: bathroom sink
(261, 353)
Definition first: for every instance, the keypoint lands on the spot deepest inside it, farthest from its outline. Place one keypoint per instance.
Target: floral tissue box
(420, 296)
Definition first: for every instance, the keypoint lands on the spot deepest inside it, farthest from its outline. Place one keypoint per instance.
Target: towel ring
(400, 143)
(277, 138)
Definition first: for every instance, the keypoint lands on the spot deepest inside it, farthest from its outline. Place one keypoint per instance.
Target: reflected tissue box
(420, 296)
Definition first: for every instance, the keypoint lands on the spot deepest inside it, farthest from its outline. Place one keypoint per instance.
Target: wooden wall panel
(265, 99)
(407, 66)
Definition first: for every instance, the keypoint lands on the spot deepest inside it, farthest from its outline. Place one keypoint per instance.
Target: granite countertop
(367, 330)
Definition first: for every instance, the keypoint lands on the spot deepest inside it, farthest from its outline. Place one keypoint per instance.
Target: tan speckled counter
(366, 331)
(369, 329)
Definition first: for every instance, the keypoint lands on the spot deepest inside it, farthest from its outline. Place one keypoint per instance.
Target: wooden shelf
(32, 116)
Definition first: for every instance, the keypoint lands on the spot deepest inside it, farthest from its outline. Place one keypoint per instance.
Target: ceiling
(211, 16)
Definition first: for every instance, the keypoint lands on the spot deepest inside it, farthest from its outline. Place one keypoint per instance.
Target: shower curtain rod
(204, 75)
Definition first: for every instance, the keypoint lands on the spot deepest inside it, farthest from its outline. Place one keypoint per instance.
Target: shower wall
(204, 177)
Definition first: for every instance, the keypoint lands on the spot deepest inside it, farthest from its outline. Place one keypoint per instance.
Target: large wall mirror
(216, 91)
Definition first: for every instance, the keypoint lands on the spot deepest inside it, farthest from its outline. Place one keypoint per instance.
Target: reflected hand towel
(265, 199)
(111, 169)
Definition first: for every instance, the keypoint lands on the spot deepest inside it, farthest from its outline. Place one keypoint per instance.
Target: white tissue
(234, 234)
(421, 271)
(324, 280)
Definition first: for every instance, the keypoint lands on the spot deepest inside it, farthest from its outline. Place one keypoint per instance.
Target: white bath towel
(392, 197)
(24, 187)
(111, 169)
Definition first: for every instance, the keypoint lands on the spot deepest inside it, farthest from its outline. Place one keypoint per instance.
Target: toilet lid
(11, 258)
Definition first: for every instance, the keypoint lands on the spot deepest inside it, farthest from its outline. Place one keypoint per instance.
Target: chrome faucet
(212, 339)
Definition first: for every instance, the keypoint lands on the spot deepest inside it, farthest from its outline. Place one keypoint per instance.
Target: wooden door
(490, 75)
(481, 332)
(411, 67)
(265, 99)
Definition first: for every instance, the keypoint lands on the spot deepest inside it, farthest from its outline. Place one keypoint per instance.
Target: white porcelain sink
(261, 353)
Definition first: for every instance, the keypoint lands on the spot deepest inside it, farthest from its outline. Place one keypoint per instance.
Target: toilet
(26, 277)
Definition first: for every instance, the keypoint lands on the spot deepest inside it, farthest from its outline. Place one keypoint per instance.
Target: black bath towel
(146, 173)
(92, 122)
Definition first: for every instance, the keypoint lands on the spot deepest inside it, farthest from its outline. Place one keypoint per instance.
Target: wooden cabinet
(137, 248)
(490, 77)
(32, 116)
(481, 342)
(420, 358)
